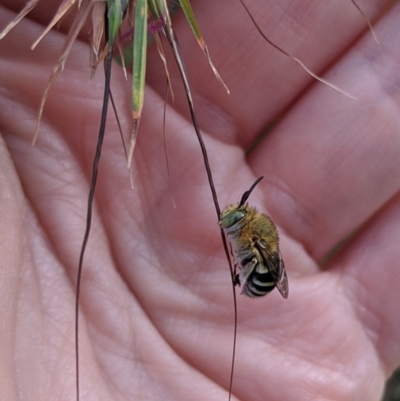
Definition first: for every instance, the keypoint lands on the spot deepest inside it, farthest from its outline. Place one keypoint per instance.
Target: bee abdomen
(258, 284)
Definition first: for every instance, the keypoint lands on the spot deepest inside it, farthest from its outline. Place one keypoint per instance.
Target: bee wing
(282, 284)
(274, 263)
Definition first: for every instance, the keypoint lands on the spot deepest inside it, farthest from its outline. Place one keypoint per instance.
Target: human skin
(156, 303)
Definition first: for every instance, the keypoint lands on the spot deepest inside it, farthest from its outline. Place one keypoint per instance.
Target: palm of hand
(156, 298)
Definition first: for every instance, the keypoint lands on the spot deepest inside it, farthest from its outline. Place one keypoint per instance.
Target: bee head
(230, 216)
(234, 213)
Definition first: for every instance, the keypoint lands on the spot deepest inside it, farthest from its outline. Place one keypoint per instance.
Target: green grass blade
(139, 56)
(157, 8)
(114, 18)
(188, 11)
(139, 69)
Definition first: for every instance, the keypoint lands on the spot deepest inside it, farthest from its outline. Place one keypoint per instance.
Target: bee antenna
(247, 193)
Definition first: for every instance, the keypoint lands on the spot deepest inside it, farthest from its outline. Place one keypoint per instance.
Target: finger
(12, 262)
(369, 268)
(263, 82)
(333, 162)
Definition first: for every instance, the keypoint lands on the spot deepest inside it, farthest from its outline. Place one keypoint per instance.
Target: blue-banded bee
(254, 242)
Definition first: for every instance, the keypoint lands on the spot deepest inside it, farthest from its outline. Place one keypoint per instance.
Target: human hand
(156, 302)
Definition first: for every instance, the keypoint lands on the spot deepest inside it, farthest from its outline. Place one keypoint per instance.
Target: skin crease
(156, 303)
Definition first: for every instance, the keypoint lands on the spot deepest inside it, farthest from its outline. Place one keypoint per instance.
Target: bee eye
(231, 218)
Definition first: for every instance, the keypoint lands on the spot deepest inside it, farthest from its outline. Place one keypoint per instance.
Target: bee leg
(237, 280)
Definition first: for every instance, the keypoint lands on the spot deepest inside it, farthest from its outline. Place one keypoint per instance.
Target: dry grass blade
(188, 11)
(99, 9)
(161, 53)
(324, 81)
(367, 20)
(121, 57)
(181, 66)
(73, 33)
(119, 124)
(93, 182)
(84, 8)
(114, 13)
(101, 57)
(27, 9)
(62, 10)
(205, 50)
(306, 69)
(167, 90)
